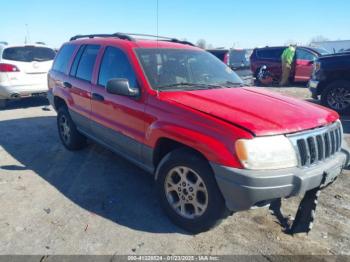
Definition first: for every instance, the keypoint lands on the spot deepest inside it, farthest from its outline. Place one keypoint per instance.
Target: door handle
(97, 97)
(67, 85)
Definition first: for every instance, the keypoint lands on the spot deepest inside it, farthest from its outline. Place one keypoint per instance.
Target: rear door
(117, 121)
(79, 85)
(304, 60)
(33, 63)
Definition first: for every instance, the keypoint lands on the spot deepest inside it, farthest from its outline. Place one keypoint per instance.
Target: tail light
(8, 68)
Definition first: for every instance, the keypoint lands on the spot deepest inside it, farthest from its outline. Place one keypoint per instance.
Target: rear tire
(188, 191)
(67, 130)
(336, 96)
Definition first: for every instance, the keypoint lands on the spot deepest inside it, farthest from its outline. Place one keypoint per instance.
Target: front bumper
(313, 87)
(243, 189)
(9, 92)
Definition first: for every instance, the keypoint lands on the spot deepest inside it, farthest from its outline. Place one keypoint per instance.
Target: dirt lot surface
(93, 202)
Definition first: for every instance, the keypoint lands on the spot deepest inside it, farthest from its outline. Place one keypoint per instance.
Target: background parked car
(271, 57)
(222, 54)
(237, 59)
(240, 59)
(331, 81)
(23, 70)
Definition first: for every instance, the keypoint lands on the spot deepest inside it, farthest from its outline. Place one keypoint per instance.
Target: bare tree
(210, 46)
(201, 43)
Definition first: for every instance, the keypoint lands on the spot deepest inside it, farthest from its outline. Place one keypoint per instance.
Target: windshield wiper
(233, 84)
(186, 84)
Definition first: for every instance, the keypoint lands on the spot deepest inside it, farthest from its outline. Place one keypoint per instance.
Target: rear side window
(270, 53)
(87, 62)
(73, 70)
(63, 58)
(29, 54)
(115, 64)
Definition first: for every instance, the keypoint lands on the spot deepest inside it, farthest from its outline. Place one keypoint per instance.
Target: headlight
(273, 152)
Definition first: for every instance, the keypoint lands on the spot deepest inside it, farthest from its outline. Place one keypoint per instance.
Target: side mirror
(120, 86)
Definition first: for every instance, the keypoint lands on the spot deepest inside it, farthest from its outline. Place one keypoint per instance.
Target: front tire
(68, 133)
(337, 96)
(188, 191)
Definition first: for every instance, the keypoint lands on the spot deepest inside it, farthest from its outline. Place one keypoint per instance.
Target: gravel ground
(94, 202)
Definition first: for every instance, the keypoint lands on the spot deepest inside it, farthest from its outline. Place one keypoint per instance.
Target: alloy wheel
(186, 192)
(64, 129)
(339, 98)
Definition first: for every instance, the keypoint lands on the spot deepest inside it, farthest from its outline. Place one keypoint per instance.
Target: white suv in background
(23, 70)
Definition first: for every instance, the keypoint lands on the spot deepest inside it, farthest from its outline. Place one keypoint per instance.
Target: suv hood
(260, 111)
(335, 56)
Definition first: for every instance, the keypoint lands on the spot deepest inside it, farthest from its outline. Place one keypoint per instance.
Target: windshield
(321, 51)
(29, 54)
(185, 69)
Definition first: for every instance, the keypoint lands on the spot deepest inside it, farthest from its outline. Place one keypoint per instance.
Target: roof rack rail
(116, 35)
(163, 38)
(128, 36)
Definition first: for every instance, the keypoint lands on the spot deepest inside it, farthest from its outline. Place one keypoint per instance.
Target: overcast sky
(222, 23)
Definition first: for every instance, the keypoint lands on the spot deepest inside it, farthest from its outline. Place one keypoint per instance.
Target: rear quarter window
(63, 57)
(29, 54)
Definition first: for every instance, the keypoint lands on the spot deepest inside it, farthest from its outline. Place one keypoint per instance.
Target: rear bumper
(313, 87)
(243, 189)
(9, 92)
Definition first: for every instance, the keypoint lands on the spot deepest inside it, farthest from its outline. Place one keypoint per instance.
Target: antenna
(26, 38)
(157, 22)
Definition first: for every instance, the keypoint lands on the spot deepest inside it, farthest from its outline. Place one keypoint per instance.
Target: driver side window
(115, 64)
(305, 55)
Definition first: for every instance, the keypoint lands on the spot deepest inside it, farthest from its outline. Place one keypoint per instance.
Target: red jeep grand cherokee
(184, 116)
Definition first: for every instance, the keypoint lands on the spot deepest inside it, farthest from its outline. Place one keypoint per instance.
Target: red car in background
(271, 58)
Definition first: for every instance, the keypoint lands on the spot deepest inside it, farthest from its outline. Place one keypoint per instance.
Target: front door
(117, 121)
(304, 61)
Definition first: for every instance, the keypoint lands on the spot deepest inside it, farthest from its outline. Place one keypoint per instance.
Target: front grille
(318, 144)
